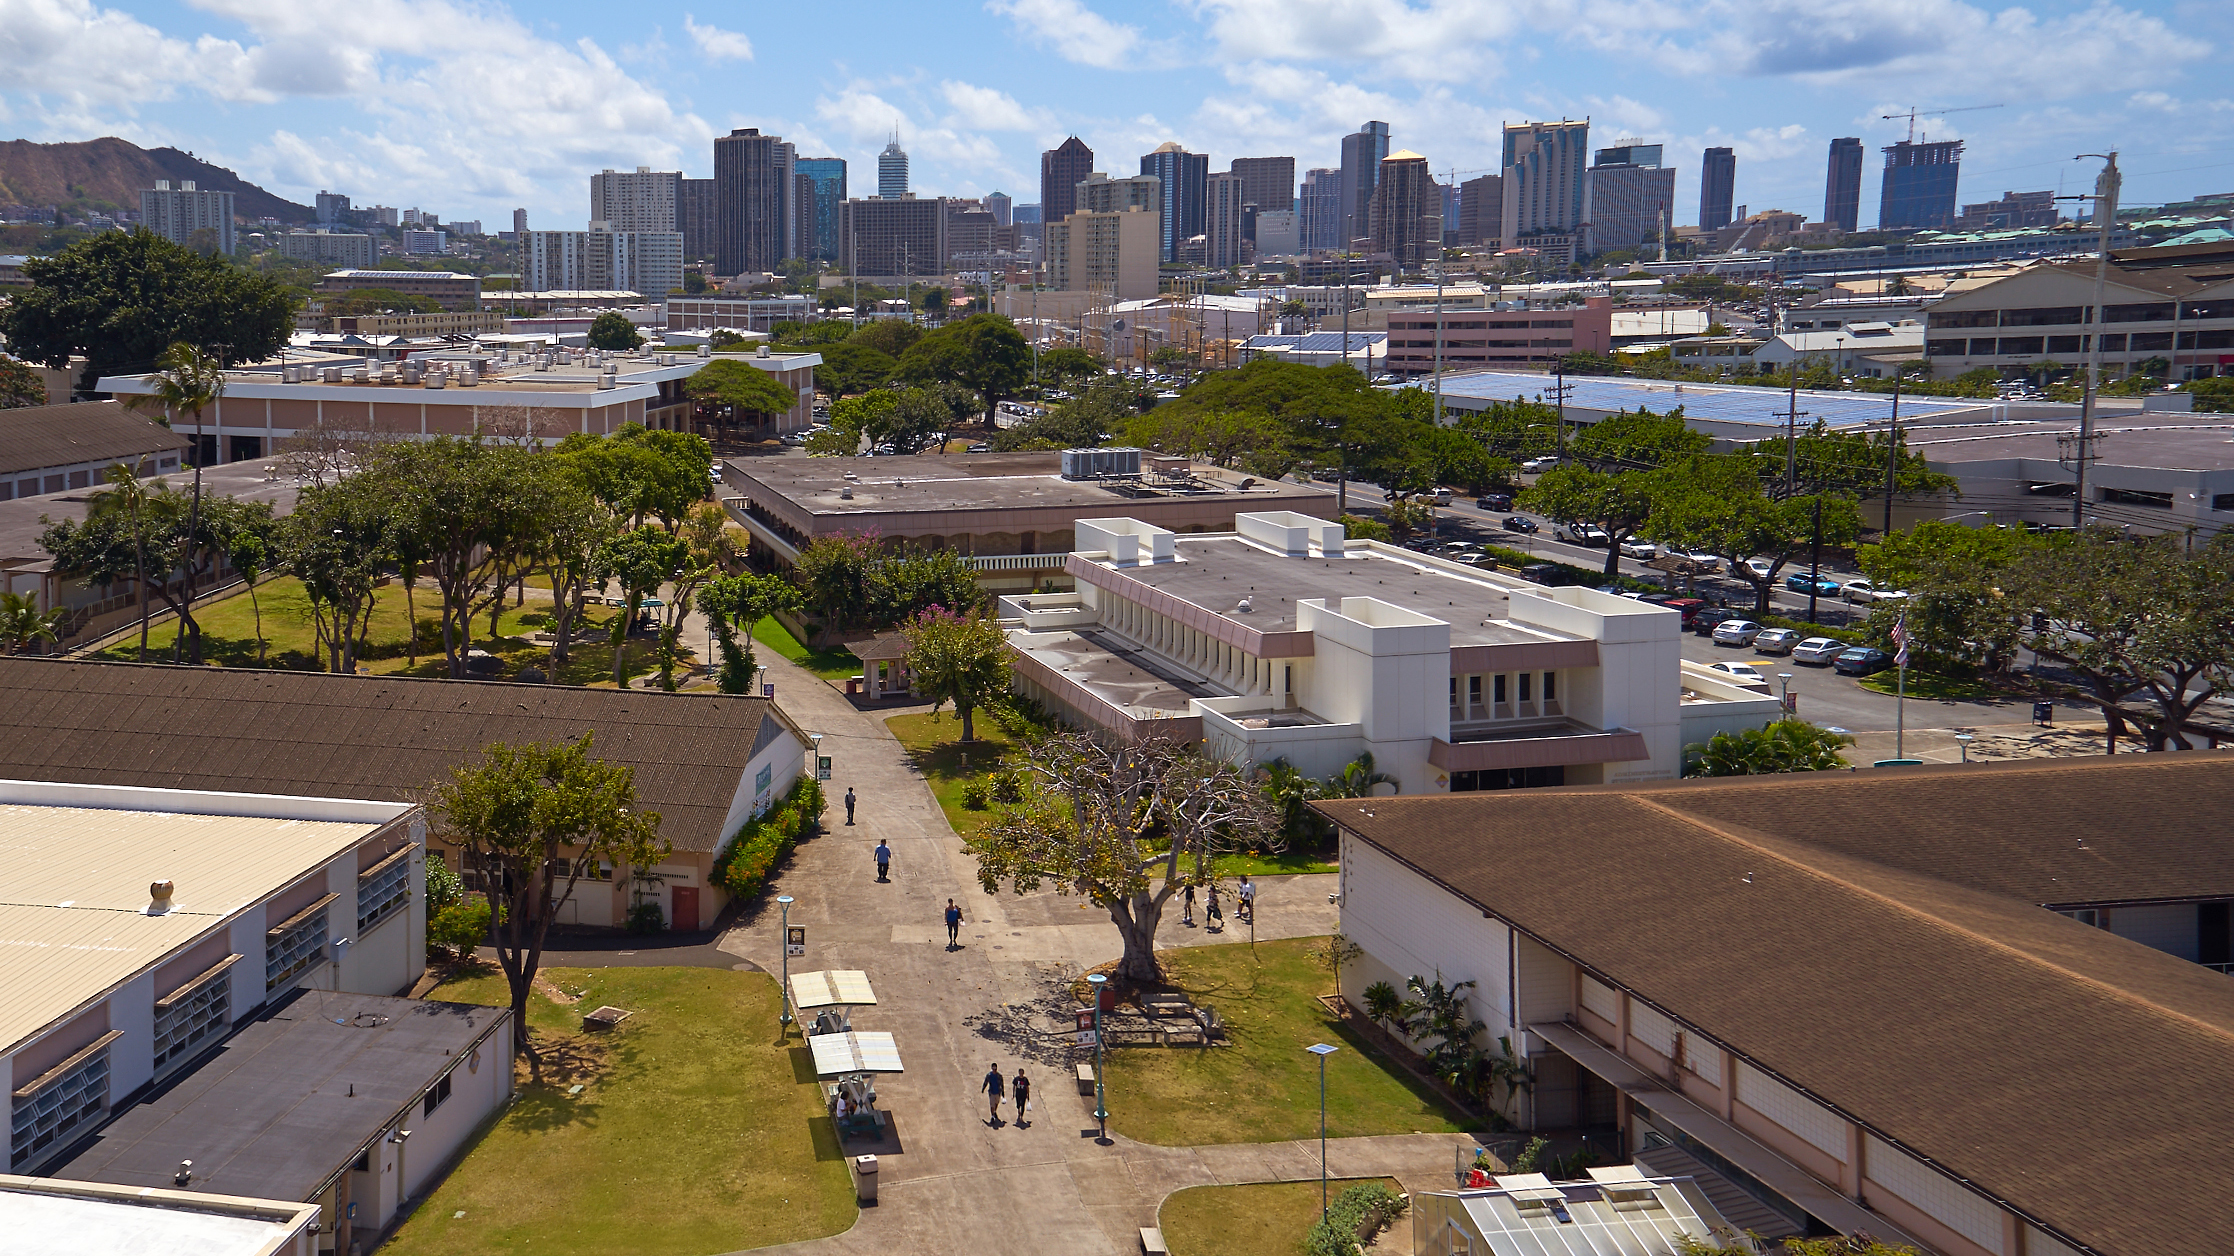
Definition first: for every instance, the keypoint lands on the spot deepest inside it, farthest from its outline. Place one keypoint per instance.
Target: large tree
(533, 820)
(960, 659)
(612, 330)
(476, 512)
(849, 368)
(155, 533)
(1717, 503)
(639, 562)
(732, 605)
(1640, 440)
(20, 385)
(1619, 503)
(737, 391)
(339, 542)
(642, 473)
(1126, 824)
(120, 299)
(983, 353)
(1957, 607)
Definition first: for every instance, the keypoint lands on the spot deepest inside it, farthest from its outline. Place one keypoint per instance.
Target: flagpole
(1900, 706)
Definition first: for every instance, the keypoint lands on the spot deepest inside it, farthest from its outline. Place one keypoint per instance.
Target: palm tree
(1358, 779)
(189, 381)
(21, 622)
(130, 495)
(1790, 745)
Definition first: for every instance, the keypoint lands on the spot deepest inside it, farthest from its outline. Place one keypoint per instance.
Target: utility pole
(2106, 215)
(1439, 315)
(1892, 452)
(1792, 433)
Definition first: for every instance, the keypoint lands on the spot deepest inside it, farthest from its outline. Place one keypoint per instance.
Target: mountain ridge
(116, 171)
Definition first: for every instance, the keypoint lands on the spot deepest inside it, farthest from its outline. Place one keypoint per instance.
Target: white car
(1820, 650)
(1744, 675)
(1736, 632)
(1706, 561)
(1589, 534)
(1645, 550)
(1760, 567)
(1534, 465)
(1870, 591)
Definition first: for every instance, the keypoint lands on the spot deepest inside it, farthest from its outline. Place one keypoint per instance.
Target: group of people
(996, 1088)
(1245, 906)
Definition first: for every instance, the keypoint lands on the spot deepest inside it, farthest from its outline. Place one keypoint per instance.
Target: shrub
(646, 917)
(975, 795)
(1008, 788)
(1848, 635)
(1357, 1213)
(743, 865)
(1383, 1004)
(458, 927)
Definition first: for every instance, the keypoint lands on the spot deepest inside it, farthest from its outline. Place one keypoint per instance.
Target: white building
(1277, 233)
(61, 1218)
(177, 213)
(639, 201)
(1872, 350)
(333, 248)
(646, 262)
(426, 243)
(1281, 640)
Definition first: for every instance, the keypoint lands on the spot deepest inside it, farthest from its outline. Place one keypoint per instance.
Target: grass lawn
(695, 1132)
(1285, 863)
(831, 663)
(1929, 686)
(1260, 1219)
(1263, 1087)
(934, 745)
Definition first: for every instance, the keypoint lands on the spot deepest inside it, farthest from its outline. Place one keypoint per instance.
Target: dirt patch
(567, 1060)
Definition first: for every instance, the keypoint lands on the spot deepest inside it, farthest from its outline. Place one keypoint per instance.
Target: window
(2141, 342)
(437, 1095)
(2113, 344)
(2066, 344)
(1454, 689)
(1551, 693)
(295, 945)
(2207, 309)
(2158, 312)
(2089, 916)
(51, 1110)
(2022, 346)
(2207, 340)
(383, 889)
(2050, 316)
(1946, 348)
(2135, 497)
(1524, 686)
(1500, 688)
(1474, 690)
(2222, 501)
(1966, 318)
(193, 1014)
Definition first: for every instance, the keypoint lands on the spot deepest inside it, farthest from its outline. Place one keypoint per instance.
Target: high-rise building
(646, 262)
(1362, 151)
(1718, 182)
(1629, 190)
(697, 216)
(790, 243)
(1842, 186)
(1919, 188)
(1183, 175)
(1481, 210)
(892, 170)
(749, 198)
(1320, 208)
(1028, 226)
(895, 236)
(1406, 203)
(829, 176)
(1117, 252)
(1546, 183)
(974, 238)
(176, 214)
(1001, 206)
(333, 209)
(1060, 170)
(330, 248)
(519, 222)
(1223, 223)
(1103, 195)
(642, 201)
(1266, 182)
(2015, 211)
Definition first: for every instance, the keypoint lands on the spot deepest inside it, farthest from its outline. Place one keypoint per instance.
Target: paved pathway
(949, 1181)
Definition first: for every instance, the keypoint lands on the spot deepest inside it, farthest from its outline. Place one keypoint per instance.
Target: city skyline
(472, 112)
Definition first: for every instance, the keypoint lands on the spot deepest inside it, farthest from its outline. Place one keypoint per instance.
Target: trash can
(865, 1179)
(2044, 713)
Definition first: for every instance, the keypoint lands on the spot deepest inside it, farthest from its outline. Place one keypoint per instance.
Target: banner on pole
(795, 941)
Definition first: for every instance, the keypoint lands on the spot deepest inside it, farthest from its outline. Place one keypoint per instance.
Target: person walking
(1187, 907)
(1246, 898)
(953, 925)
(994, 1085)
(849, 804)
(1021, 1090)
(1216, 918)
(884, 861)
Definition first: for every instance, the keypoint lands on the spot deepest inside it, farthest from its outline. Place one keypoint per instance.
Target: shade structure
(846, 987)
(837, 1054)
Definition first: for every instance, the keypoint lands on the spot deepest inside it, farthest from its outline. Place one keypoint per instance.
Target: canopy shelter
(834, 988)
(854, 1052)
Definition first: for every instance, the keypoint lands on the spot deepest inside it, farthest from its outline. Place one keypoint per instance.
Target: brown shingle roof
(1892, 970)
(382, 738)
(32, 437)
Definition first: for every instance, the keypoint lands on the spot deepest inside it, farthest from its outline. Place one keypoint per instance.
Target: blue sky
(470, 109)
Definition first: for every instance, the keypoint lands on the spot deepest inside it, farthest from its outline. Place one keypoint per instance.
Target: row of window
(2072, 315)
(2033, 346)
(1522, 688)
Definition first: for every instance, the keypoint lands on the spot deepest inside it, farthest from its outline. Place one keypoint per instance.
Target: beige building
(2173, 304)
(444, 323)
(1118, 251)
(454, 291)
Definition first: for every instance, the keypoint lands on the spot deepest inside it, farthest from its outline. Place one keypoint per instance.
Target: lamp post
(1964, 740)
(1098, 982)
(784, 901)
(1786, 677)
(1322, 1051)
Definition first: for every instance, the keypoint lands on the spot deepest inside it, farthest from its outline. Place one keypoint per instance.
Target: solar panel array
(1715, 403)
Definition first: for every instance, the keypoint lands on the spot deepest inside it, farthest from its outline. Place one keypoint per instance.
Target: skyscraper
(1266, 182)
(698, 217)
(1481, 210)
(1718, 181)
(176, 214)
(1060, 169)
(333, 209)
(1223, 222)
(1628, 190)
(787, 200)
(892, 169)
(1001, 206)
(642, 201)
(1362, 151)
(519, 222)
(749, 198)
(1546, 183)
(1842, 187)
(1919, 188)
(829, 175)
(1321, 225)
(1183, 175)
(1406, 202)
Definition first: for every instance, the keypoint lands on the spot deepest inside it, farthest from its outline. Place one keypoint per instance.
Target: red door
(685, 915)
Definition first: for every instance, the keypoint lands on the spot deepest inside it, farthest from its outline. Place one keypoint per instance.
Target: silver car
(1736, 632)
(1818, 650)
(1776, 641)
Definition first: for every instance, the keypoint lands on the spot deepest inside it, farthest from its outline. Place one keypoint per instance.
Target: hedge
(1848, 635)
(1356, 1214)
(743, 865)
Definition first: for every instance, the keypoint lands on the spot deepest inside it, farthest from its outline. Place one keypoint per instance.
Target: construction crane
(1913, 111)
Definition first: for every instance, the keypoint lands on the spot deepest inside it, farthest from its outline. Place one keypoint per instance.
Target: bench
(1152, 1241)
(1085, 1079)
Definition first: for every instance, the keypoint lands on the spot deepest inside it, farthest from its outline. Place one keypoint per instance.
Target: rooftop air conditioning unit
(435, 379)
(470, 379)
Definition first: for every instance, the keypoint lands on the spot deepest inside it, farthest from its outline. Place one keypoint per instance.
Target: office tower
(1183, 175)
(1001, 206)
(1320, 208)
(519, 222)
(1266, 182)
(176, 214)
(1362, 151)
(1451, 210)
(1718, 181)
(333, 209)
(973, 235)
(787, 199)
(646, 262)
(1919, 187)
(1277, 233)
(1060, 170)
(1842, 186)
(1546, 188)
(893, 236)
(1030, 230)
(1117, 252)
(892, 169)
(829, 176)
(749, 197)
(697, 216)
(1406, 203)
(642, 201)
(802, 213)
(1481, 210)
(1222, 220)
(1629, 189)
(1103, 195)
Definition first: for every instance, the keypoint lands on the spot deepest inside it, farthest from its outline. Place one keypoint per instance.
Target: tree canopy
(983, 353)
(612, 330)
(740, 388)
(957, 658)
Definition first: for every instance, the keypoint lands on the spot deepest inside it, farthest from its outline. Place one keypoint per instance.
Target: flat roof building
(329, 248)
(183, 213)
(1116, 252)
(63, 1218)
(454, 291)
(2155, 470)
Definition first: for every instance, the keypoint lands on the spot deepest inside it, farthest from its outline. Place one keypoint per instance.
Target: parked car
(1534, 465)
(793, 439)
(1642, 550)
(1861, 661)
(982, 447)
(1818, 650)
(1776, 641)
(1520, 523)
(1706, 561)
(1736, 632)
(1441, 496)
(1589, 534)
(1871, 591)
(1742, 674)
(1760, 567)
(1494, 501)
(1801, 582)
(1688, 607)
(1706, 619)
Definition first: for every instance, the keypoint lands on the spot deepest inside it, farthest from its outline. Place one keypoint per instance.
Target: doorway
(685, 914)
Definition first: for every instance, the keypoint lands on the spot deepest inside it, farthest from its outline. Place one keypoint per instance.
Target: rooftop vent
(159, 898)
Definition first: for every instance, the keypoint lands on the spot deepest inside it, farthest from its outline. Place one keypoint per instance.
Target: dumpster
(865, 1179)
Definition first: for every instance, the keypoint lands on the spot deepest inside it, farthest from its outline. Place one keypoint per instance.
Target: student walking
(953, 925)
(1217, 918)
(849, 804)
(993, 1086)
(1187, 907)
(884, 861)
(1246, 902)
(1021, 1088)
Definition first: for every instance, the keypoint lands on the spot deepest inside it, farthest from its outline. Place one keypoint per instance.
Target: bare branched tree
(531, 426)
(1128, 824)
(332, 447)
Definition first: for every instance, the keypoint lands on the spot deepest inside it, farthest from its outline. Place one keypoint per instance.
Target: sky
(470, 110)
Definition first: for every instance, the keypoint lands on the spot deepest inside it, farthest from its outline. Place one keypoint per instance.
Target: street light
(1786, 677)
(784, 901)
(1322, 1051)
(1098, 982)
(1964, 740)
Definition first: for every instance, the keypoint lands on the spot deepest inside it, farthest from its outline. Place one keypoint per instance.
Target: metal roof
(97, 1219)
(1716, 403)
(1318, 341)
(36, 437)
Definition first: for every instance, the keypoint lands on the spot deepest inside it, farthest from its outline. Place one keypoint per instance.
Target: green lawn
(695, 1132)
(1929, 686)
(831, 663)
(1265, 1086)
(1260, 1219)
(1285, 863)
(934, 745)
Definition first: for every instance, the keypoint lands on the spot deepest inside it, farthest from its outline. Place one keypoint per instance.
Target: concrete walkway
(949, 1180)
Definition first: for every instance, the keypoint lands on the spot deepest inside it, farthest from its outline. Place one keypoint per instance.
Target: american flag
(1900, 638)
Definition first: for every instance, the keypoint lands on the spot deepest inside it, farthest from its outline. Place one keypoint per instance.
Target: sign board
(795, 941)
(768, 690)
(822, 767)
(1086, 1028)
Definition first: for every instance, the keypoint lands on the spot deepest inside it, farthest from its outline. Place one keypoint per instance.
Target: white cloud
(716, 43)
(1440, 40)
(1074, 31)
(988, 109)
